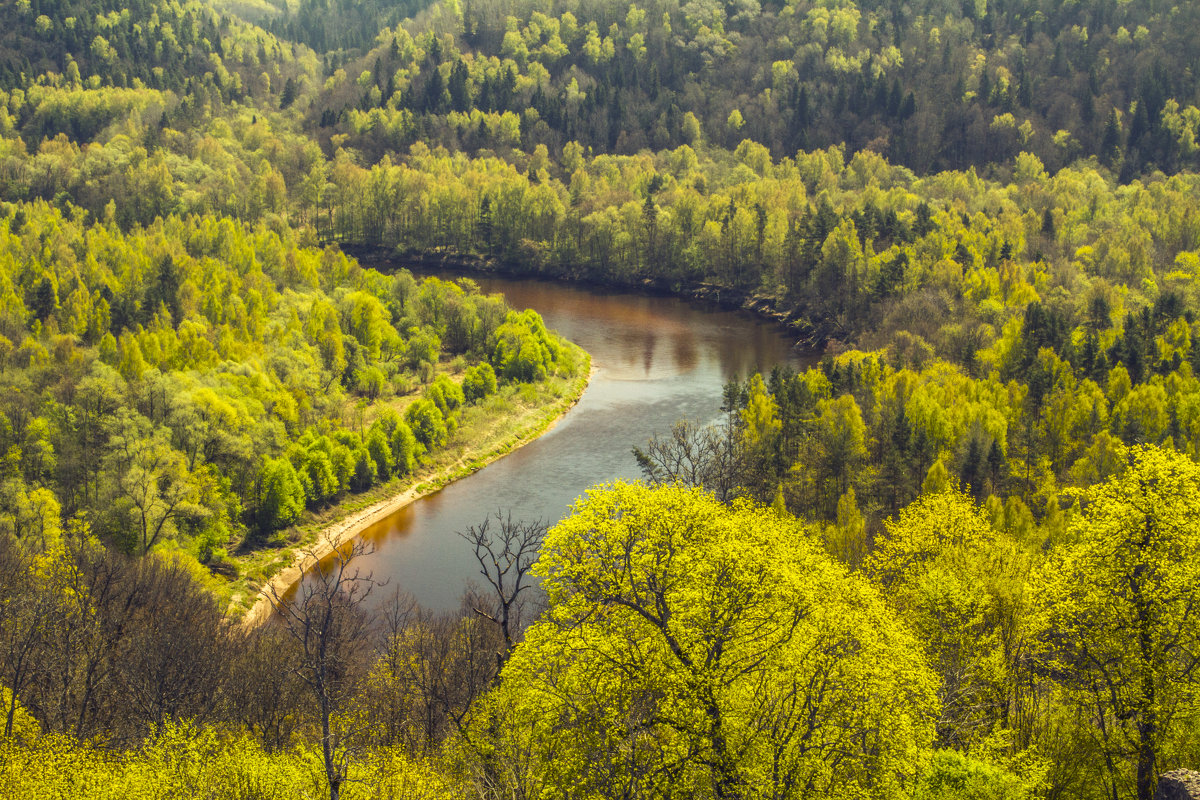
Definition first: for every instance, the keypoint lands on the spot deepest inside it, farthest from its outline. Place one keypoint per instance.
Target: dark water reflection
(657, 359)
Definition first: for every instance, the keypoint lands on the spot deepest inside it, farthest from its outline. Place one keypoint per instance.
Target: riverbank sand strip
(347, 528)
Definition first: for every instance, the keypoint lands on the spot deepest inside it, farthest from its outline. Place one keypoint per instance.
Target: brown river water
(656, 359)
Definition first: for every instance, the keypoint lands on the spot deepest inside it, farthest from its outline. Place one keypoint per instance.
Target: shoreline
(813, 335)
(338, 533)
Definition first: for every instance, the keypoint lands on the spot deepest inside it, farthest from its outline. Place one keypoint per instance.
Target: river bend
(656, 359)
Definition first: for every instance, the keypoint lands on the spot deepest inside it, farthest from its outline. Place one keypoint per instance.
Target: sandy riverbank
(344, 530)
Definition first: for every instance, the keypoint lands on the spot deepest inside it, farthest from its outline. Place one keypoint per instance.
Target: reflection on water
(657, 359)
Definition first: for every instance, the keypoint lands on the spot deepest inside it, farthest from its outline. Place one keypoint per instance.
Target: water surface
(656, 359)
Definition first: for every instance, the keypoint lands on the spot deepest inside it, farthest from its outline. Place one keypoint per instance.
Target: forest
(956, 559)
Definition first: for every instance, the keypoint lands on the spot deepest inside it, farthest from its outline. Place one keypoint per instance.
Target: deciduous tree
(332, 630)
(1118, 619)
(699, 649)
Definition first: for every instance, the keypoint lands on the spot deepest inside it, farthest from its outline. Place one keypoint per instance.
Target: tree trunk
(331, 771)
(1147, 757)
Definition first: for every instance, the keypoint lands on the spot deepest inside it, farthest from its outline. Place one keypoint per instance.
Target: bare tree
(264, 692)
(24, 616)
(105, 647)
(692, 455)
(505, 553)
(390, 702)
(433, 668)
(170, 661)
(327, 620)
(82, 679)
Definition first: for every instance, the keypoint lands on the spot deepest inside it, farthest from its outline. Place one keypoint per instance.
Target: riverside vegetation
(957, 559)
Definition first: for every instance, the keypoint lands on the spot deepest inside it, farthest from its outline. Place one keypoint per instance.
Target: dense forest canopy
(956, 559)
(928, 85)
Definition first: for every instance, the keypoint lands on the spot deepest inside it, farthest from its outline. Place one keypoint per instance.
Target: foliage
(479, 382)
(427, 423)
(1117, 619)
(445, 394)
(951, 774)
(188, 761)
(282, 498)
(987, 210)
(689, 646)
(960, 584)
(190, 381)
(932, 88)
(524, 351)
(24, 728)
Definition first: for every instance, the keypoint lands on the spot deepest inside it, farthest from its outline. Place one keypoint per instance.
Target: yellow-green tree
(961, 584)
(696, 649)
(760, 436)
(1118, 620)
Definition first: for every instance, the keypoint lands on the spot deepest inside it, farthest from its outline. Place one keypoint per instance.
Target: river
(656, 360)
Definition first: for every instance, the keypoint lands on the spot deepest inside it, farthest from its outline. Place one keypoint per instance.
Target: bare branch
(506, 552)
(692, 455)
